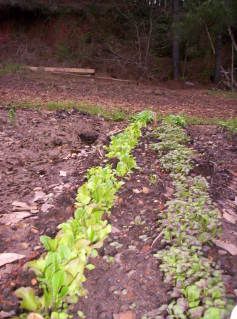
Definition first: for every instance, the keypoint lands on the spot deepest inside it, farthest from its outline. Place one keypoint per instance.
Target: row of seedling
(60, 271)
(188, 223)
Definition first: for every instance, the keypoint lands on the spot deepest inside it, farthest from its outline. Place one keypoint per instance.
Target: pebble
(33, 282)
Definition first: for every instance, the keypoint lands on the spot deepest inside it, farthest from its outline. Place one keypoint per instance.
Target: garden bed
(127, 280)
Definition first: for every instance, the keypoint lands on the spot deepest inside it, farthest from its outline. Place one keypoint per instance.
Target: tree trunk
(218, 47)
(175, 44)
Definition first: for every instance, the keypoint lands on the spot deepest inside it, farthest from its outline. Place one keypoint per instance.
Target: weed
(230, 125)
(12, 114)
(152, 179)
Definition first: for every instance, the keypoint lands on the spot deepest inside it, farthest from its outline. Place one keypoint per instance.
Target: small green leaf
(90, 266)
(29, 300)
(83, 195)
(213, 313)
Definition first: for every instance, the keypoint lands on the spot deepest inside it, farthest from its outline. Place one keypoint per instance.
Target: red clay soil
(132, 96)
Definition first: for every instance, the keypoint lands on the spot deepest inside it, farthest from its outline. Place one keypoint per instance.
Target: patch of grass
(9, 68)
(230, 125)
(90, 108)
(195, 120)
(223, 93)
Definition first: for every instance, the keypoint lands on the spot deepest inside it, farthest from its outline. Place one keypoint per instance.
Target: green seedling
(61, 270)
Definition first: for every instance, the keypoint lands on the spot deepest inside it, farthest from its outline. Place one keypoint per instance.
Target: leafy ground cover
(128, 277)
(189, 222)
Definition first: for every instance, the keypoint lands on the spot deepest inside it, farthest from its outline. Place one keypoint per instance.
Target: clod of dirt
(88, 137)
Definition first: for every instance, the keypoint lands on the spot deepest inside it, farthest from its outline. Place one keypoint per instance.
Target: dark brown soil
(217, 161)
(34, 150)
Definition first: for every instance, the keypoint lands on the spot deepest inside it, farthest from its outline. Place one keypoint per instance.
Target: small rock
(37, 248)
(145, 190)
(136, 191)
(62, 173)
(33, 282)
(7, 258)
(125, 315)
(34, 230)
(131, 273)
(34, 316)
(24, 245)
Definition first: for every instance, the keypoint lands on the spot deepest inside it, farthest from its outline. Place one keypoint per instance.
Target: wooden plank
(63, 70)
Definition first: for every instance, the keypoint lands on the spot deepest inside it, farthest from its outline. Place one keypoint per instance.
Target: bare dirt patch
(130, 96)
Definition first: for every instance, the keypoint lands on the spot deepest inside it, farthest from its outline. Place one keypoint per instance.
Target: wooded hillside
(191, 39)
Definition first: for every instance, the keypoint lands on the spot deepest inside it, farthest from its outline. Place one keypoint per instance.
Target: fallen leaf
(7, 258)
(21, 205)
(230, 217)
(4, 314)
(14, 218)
(231, 248)
(125, 315)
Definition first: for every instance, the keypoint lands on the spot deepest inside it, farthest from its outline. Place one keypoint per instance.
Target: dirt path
(127, 95)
